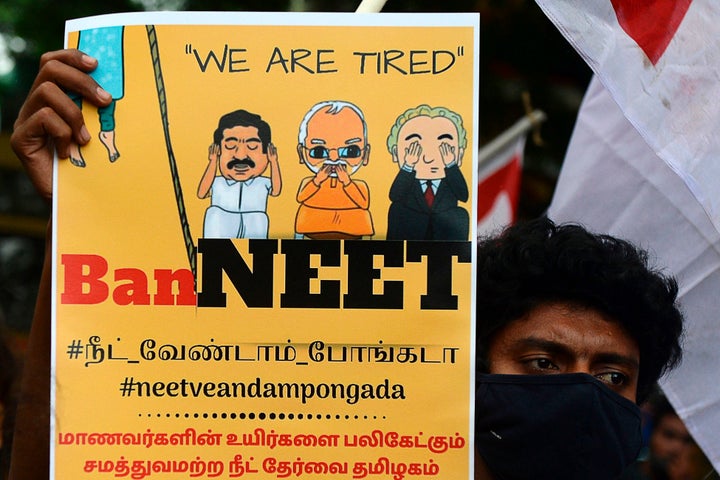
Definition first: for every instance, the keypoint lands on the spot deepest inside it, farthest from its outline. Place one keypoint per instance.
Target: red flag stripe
(651, 23)
(505, 179)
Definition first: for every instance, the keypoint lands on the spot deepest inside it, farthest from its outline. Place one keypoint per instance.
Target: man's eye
(319, 152)
(230, 145)
(542, 364)
(253, 146)
(612, 378)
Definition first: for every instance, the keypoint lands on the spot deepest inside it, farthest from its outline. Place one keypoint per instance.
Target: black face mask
(554, 427)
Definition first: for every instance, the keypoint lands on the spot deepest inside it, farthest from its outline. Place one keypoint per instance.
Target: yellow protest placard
(264, 258)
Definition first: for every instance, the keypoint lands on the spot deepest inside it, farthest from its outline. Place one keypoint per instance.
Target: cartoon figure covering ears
(241, 151)
(428, 145)
(332, 143)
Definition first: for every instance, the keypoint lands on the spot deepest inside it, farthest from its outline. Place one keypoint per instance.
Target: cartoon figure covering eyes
(332, 143)
(428, 144)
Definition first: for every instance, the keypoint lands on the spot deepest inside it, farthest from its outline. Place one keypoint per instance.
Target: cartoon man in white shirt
(242, 150)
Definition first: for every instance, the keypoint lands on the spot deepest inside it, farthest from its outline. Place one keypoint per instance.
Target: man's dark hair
(243, 118)
(538, 262)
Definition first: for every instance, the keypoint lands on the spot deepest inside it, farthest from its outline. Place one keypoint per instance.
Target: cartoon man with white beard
(332, 143)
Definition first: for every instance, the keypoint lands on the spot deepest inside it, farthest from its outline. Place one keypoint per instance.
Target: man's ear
(461, 151)
(366, 154)
(394, 153)
(301, 152)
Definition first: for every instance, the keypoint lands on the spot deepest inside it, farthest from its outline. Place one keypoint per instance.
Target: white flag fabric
(612, 181)
(660, 60)
(499, 187)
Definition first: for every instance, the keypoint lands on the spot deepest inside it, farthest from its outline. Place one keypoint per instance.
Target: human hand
(272, 154)
(412, 154)
(323, 174)
(214, 152)
(49, 119)
(447, 153)
(342, 174)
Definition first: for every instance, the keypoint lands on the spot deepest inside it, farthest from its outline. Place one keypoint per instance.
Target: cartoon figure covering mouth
(332, 143)
(241, 150)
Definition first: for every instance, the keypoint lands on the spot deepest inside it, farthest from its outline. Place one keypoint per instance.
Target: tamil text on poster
(263, 259)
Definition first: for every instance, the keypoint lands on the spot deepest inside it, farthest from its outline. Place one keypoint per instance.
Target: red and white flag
(499, 187)
(660, 60)
(613, 182)
(657, 184)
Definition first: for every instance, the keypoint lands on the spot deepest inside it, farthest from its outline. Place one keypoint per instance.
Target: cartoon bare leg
(107, 130)
(105, 44)
(76, 157)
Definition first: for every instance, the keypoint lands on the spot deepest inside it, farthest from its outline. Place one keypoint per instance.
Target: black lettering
(362, 56)
(254, 286)
(414, 65)
(211, 55)
(298, 274)
(297, 55)
(280, 59)
(237, 61)
(435, 61)
(390, 57)
(321, 63)
(361, 274)
(439, 257)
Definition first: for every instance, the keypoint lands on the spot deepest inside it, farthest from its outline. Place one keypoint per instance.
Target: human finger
(49, 96)
(33, 143)
(70, 68)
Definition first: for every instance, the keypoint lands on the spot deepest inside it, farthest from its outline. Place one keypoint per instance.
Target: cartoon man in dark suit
(428, 145)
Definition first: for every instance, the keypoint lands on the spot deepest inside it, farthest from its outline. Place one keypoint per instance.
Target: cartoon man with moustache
(241, 151)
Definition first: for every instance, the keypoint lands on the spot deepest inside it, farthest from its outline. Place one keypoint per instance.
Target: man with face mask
(574, 329)
(332, 143)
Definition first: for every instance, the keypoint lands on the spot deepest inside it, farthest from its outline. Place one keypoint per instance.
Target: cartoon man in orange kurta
(332, 143)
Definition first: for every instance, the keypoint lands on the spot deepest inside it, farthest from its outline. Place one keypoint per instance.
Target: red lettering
(185, 281)
(83, 284)
(135, 291)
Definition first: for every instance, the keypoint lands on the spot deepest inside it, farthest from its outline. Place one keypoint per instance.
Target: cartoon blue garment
(106, 44)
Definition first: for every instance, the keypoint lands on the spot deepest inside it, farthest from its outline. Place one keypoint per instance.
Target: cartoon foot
(108, 139)
(76, 157)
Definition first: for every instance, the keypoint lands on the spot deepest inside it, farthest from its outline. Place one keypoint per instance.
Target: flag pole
(506, 138)
(370, 6)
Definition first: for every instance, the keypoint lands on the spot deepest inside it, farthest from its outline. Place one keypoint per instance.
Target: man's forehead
(241, 131)
(340, 126)
(345, 116)
(575, 328)
(430, 125)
